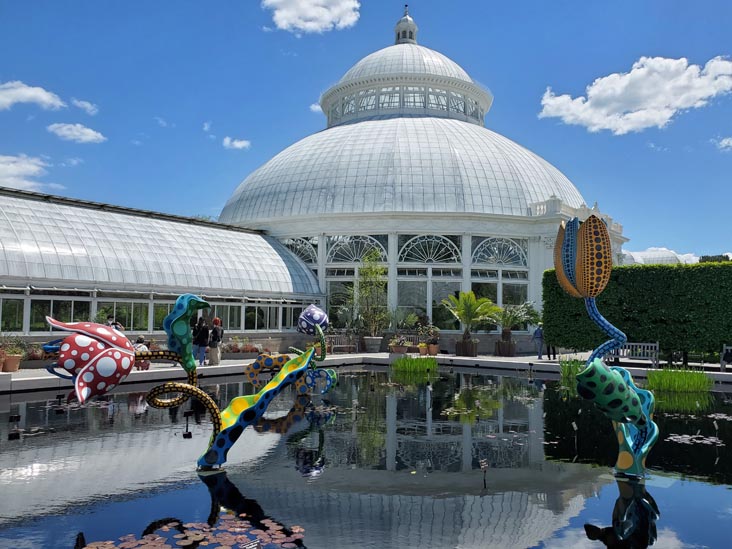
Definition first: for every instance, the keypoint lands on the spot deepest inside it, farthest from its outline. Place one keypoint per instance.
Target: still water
(468, 461)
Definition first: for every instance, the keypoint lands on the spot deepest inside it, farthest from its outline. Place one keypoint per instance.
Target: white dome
(405, 59)
(399, 164)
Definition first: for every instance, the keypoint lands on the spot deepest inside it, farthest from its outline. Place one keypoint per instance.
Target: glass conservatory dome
(405, 134)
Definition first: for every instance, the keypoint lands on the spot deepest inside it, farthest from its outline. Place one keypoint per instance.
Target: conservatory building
(406, 167)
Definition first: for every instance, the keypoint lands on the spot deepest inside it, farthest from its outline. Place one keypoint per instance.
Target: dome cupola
(406, 29)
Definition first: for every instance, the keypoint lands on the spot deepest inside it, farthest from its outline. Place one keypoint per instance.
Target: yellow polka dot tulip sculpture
(583, 263)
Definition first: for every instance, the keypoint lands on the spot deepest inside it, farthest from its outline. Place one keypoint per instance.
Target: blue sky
(132, 102)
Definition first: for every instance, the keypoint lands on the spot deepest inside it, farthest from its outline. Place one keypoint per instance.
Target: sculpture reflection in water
(98, 358)
(583, 262)
(233, 521)
(634, 518)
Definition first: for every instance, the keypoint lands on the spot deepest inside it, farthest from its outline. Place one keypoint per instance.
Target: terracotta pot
(433, 349)
(12, 363)
(399, 349)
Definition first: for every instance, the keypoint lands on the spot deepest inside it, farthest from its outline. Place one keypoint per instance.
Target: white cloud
(654, 91)
(71, 162)
(724, 144)
(17, 92)
(313, 15)
(77, 133)
(230, 143)
(207, 126)
(136, 142)
(90, 108)
(315, 107)
(265, 28)
(21, 172)
(162, 122)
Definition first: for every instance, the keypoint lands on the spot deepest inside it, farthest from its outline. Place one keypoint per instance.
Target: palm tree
(470, 310)
(510, 317)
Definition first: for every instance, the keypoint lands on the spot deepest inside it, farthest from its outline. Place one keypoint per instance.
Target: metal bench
(341, 343)
(642, 351)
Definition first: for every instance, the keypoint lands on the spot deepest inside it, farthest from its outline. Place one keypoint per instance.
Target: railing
(642, 351)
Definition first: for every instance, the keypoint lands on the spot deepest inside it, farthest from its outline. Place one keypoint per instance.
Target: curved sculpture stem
(618, 337)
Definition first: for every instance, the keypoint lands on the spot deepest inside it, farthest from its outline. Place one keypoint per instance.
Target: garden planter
(423, 351)
(433, 349)
(466, 348)
(399, 349)
(505, 348)
(12, 363)
(372, 344)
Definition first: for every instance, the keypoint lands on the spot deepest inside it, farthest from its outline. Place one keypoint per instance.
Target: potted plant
(369, 300)
(431, 336)
(398, 344)
(422, 346)
(509, 318)
(469, 310)
(14, 352)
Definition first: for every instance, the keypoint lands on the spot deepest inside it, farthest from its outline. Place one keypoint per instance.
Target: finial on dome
(406, 29)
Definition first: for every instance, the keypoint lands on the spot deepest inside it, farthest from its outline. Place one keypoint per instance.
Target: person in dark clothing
(200, 340)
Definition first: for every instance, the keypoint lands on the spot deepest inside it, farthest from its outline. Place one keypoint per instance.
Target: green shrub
(411, 370)
(683, 403)
(683, 307)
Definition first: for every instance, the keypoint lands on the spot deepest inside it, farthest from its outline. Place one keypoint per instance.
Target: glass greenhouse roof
(399, 164)
(402, 59)
(64, 241)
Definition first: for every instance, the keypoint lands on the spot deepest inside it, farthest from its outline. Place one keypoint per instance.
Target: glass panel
(437, 99)
(339, 295)
(105, 309)
(62, 310)
(441, 317)
(414, 97)
(250, 318)
(139, 317)
(40, 309)
(12, 315)
(515, 294)
(489, 290)
(367, 100)
(160, 311)
(234, 318)
(457, 102)
(82, 311)
(412, 296)
(429, 249)
(123, 314)
(349, 104)
(389, 98)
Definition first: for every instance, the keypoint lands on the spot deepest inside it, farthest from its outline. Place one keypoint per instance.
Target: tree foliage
(683, 307)
(370, 294)
(470, 310)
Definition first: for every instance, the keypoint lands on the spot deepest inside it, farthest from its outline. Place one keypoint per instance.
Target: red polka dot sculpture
(96, 357)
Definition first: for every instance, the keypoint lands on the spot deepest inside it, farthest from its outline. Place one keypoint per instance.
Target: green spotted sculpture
(583, 262)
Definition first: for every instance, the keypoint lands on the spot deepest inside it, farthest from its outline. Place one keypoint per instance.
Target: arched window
(302, 249)
(411, 35)
(404, 34)
(351, 249)
(501, 251)
(429, 249)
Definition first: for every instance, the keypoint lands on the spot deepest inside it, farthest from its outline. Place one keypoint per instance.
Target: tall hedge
(683, 307)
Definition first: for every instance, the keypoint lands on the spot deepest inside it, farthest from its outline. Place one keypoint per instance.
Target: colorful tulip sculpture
(583, 262)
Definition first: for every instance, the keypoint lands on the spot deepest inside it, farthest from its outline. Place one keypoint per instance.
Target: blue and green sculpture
(583, 262)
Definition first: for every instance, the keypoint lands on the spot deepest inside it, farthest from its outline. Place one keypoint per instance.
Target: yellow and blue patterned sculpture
(583, 262)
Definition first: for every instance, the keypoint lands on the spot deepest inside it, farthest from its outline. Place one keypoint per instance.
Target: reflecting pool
(465, 460)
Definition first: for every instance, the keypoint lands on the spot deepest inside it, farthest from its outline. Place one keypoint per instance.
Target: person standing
(214, 344)
(538, 339)
(200, 340)
(111, 321)
(140, 346)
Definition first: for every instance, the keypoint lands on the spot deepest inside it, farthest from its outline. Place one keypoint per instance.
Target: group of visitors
(203, 339)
